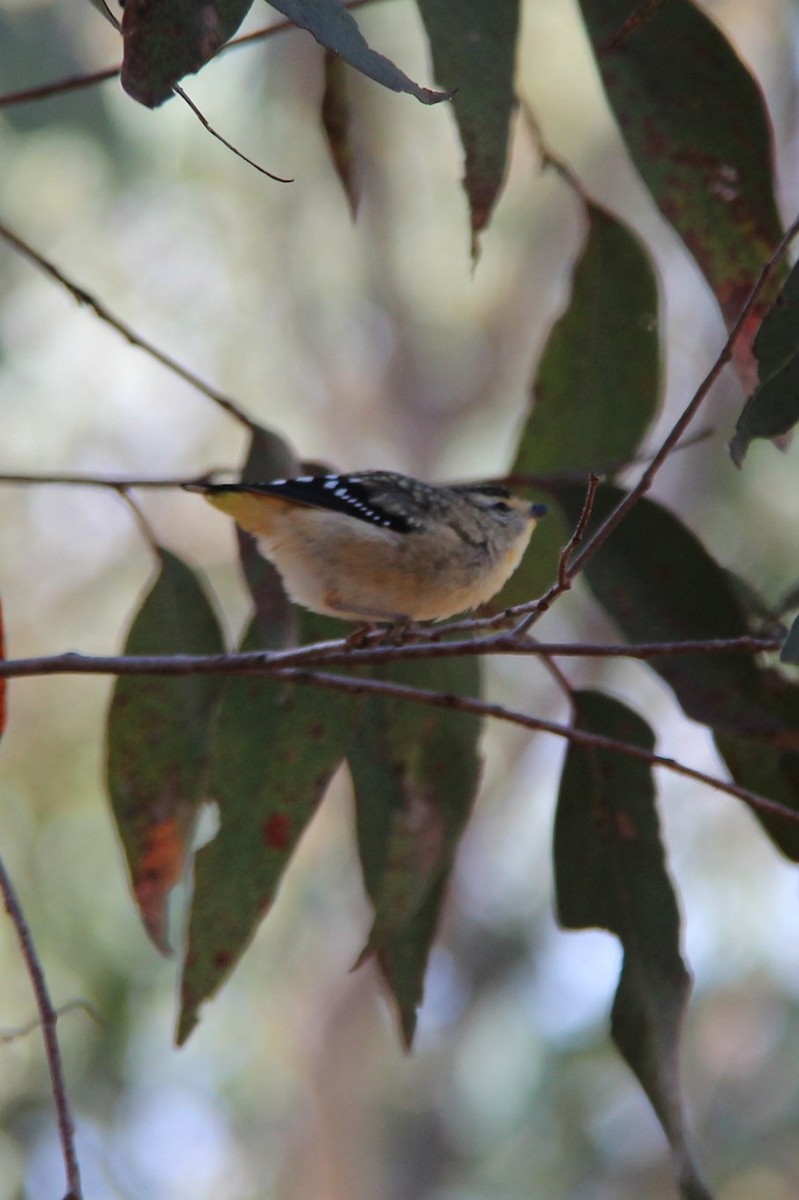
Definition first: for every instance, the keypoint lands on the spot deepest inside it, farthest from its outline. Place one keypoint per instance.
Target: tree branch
(49, 1019)
(691, 409)
(579, 737)
(125, 331)
(337, 653)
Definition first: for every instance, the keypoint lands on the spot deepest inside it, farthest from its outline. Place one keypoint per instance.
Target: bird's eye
(501, 506)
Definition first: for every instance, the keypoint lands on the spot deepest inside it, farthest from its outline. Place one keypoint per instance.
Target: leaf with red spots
(474, 55)
(773, 407)
(610, 873)
(167, 39)
(598, 385)
(269, 457)
(276, 748)
(696, 126)
(336, 29)
(3, 681)
(158, 738)
(415, 772)
(659, 583)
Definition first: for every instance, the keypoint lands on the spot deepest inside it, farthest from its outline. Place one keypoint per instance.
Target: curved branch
(99, 309)
(49, 1019)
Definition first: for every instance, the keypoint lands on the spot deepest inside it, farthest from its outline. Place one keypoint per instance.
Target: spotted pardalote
(374, 546)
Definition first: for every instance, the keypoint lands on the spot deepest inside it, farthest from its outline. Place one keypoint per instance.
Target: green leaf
(474, 56)
(158, 738)
(172, 38)
(773, 407)
(598, 385)
(276, 748)
(269, 457)
(658, 583)
(334, 27)
(696, 126)
(770, 772)
(610, 873)
(415, 773)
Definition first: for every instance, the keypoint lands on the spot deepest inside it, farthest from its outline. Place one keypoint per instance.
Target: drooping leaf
(166, 40)
(158, 738)
(336, 123)
(790, 649)
(659, 583)
(334, 27)
(474, 56)
(673, 80)
(610, 873)
(269, 457)
(598, 385)
(415, 773)
(276, 748)
(773, 407)
(769, 771)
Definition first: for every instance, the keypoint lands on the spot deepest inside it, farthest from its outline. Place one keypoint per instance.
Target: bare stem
(689, 412)
(563, 579)
(100, 310)
(178, 90)
(578, 737)
(49, 1019)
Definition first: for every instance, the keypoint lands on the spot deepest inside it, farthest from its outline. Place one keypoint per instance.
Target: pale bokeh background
(365, 345)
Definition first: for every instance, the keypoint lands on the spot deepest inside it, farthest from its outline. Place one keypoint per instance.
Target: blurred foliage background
(373, 344)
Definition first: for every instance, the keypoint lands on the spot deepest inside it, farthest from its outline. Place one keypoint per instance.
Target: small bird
(377, 547)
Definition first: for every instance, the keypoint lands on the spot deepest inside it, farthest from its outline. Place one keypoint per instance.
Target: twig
(121, 484)
(563, 579)
(49, 1018)
(11, 1035)
(562, 681)
(689, 412)
(579, 737)
(178, 90)
(100, 310)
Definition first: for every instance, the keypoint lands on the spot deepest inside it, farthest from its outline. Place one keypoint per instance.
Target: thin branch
(121, 484)
(100, 310)
(12, 1035)
(72, 83)
(562, 681)
(578, 737)
(563, 579)
(691, 409)
(49, 1019)
(337, 653)
(178, 90)
(278, 664)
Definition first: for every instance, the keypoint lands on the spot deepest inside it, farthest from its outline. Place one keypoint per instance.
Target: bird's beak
(538, 510)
